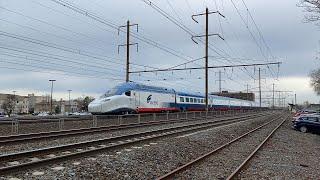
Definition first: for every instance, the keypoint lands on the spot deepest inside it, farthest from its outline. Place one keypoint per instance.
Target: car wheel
(303, 129)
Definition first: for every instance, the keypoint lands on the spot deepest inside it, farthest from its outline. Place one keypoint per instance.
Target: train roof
(123, 87)
(128, 86)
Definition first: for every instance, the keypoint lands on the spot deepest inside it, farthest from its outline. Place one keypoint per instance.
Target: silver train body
(138, 98)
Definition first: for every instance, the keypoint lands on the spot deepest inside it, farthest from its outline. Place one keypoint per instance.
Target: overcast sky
(42, 40)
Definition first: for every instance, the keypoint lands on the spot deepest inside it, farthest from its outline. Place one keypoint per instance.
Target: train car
(138, 98)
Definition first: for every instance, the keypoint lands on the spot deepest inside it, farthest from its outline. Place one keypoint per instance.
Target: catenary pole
(260, 87)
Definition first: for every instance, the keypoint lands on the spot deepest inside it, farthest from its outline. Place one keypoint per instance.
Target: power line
(259, 31)
(45, 68)
(48, 33)
(246, 25)
(52, 25)
(112, 25)
(210, 67)
(177, 23)
(63, 65)
(115, 26)
(59, 47)
(55, 56)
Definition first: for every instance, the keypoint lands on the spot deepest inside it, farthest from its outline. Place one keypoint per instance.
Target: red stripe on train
(148, 110)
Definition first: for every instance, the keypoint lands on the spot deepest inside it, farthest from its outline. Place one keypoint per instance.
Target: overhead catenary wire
(258, 29)
(51, 34)
(56, 57)
(179, 24)
(115, 26)
(71, 67)
(95, 17)
(169, 74)
(170, 18)
(251, 33)
(52, 25)
(63, 48)
(46, 68)
(210, 48)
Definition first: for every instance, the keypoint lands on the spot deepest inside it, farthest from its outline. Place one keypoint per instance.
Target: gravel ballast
(289, 154)
(5, 149)
(145, 160)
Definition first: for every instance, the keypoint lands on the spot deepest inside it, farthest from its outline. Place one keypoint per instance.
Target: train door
(137, 98)
(175, 99)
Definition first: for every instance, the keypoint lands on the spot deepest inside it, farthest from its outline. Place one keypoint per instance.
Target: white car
(43, 114)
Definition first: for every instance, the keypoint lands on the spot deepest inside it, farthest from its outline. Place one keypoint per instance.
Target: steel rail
(242, 165)
(115, 138)
(172, 173)
(74, 132)
(126, 141)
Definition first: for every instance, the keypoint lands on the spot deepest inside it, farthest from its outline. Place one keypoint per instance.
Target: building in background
(36, 104)
(237, 95)
(21, 103)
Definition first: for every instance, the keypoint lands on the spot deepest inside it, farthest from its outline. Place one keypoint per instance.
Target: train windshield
(110, 92)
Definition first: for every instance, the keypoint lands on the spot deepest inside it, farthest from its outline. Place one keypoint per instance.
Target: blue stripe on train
(184, 107)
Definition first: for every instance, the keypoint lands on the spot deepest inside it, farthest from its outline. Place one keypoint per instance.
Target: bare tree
(312, 7)
(20, 108)
(315, 80)
(83, 102)
(9, 104)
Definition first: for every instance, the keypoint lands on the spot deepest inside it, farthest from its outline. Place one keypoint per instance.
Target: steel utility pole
(247, 91)
(295, 99)
(206, 48)
(279, 99)
(220, 81)
(207, 56)
(51, 80)
(273, 95)
(69, 100)
(15, 100)
(260, 87)
(128, 47)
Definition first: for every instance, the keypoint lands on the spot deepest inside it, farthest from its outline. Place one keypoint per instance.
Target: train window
(195, 100)
(128, 93)
(181, 99)
(191, 100)
(187, 99)
(201, 100)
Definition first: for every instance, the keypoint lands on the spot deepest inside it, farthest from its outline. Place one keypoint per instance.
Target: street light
(51, 80)
(69, 100)
(14, 97)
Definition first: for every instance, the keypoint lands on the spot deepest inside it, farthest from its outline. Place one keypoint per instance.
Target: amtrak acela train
(133, 97)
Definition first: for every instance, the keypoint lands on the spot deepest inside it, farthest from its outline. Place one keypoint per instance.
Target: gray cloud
(294, 42)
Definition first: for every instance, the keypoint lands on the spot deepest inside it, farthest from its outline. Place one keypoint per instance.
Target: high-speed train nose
(95, 108)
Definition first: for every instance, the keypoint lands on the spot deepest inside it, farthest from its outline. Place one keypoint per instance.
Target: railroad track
(85, 131)
(46, 156)
(190, 165)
